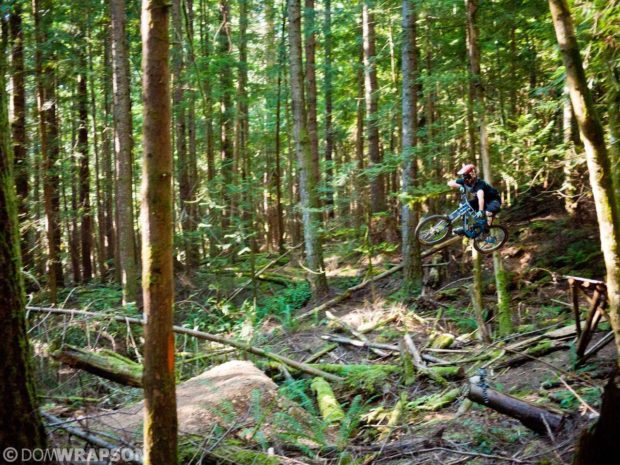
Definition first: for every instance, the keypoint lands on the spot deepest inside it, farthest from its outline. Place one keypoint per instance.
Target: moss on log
(104, 363)
(328, 404)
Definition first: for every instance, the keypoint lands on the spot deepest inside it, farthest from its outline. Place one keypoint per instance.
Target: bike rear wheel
(433, 229)
(492, 240)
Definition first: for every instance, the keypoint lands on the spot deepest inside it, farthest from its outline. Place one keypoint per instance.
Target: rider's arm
(480, 195)
(454, 184)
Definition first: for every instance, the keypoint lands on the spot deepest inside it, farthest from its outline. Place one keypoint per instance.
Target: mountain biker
(487, 198)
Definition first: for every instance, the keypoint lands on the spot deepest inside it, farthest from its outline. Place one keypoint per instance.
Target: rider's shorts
(493, 206)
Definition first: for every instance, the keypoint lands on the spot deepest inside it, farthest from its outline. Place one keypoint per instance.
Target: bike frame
(464, 210)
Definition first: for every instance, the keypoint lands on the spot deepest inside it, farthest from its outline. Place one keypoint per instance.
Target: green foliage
(285, 302)
(463, 320)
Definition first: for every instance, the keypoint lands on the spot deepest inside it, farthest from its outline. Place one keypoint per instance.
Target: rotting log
(544, 347)
(328, 404)
(531, 416)
(105, 363)
(246, 347)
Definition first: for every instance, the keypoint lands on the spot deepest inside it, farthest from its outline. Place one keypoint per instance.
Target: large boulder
(235, 398)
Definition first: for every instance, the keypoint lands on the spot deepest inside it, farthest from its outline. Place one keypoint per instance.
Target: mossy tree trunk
(20, 424)
(473, 49)
(307, 184)
(599, 165)
(412, 264)
(123, 152)
(160, 422)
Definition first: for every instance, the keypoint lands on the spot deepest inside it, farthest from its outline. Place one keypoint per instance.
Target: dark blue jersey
(490, 193)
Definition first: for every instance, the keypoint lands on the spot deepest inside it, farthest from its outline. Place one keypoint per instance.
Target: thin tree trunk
(328, 91)
(371, 87)
(599, 166)
(99, 197)
(86, 231)
(503, 296)
(108, 170)
(123, 151)
(160, 422)
(309, 27)
(307, 186)
(412, 264)
(357, 186)
(18, 127)
(20, 424)
(569, 188)
(49, 141)
(226, 113)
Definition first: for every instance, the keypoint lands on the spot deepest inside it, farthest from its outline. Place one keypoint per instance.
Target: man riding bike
(487, 198)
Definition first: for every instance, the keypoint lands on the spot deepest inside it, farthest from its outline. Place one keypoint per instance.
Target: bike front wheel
(433, 229)
(492, 240)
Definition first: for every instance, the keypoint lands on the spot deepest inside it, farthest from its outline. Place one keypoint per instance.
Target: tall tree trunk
(569, 188)
(225, 50)
(86, 233)
(160, 422)
(307, 186)
(18, 127)
(309, 27)
(193, 210)
(371, 87)
(599, 166)
(107, 164)
(277, 170)
(328, 91)
(99, 195)
(358, 187)
(20, 423)
(503, 296)
(183, 165)
(412, 264)
(49, 140)
(123, 152)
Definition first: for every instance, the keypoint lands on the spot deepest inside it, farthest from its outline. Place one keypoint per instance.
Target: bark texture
(307, 186)
(123, 152)
(599, 165)
(49, 141)
(371, 96)
(412, 264)
(20, 424)
(160, 422)
(18, 125)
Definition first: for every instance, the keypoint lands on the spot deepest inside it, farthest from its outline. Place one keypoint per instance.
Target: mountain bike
(436, 228)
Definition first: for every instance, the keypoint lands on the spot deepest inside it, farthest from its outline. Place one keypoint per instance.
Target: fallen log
(246, 347)
(531, 416)
(328, 404)
(540, 349)
(105, 363)
(343, 324)
(90, 438)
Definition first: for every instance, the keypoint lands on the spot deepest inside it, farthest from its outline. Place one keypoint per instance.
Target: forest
(310, 232)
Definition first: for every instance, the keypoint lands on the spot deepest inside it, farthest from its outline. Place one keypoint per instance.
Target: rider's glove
(462, 189)
(479, 214)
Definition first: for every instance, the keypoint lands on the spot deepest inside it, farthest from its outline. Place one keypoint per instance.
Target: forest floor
(390, 421)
